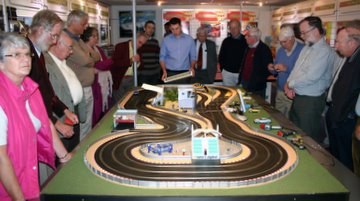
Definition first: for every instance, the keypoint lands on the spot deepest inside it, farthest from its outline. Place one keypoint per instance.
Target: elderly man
(81, 63)
(122, 71)
(253, 72)
(206, 65)
(149, 70)
(45, 29)
(342, 96)
(310, 78)
(66, 84)
(177, 53)
(231, 54)
(284, 63)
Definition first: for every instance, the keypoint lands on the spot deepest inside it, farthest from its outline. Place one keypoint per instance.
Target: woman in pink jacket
(25, 130)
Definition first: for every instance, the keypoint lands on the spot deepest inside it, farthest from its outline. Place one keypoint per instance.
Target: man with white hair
(81, 63)
(253, 71)
(284, 63)
(206, 65)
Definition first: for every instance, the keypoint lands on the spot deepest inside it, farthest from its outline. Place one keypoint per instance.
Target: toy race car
(160, 148)
(262, 121)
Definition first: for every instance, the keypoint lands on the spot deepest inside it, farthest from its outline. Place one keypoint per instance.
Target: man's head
(201, 34)
(175, 26)
(235, 28)
(311, 30)
(77, 22)
(149, 28)
(253, 36)
(287, 37)
(348, 39)
(141, 39)
(45, 29)
(63, 47)
(167, 28)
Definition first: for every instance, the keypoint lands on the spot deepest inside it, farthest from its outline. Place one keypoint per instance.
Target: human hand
(164, 75)
(65, 158)
(280, 67)
(135, 58)
(357, 131)
(271, 67)
(71, 116)
(65, 130)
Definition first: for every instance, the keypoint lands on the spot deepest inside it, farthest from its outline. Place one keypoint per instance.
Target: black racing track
(115, 156)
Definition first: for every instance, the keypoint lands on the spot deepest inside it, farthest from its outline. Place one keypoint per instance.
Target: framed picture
(126, 25)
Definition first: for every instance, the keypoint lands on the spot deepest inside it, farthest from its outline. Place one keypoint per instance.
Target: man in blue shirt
(177, 53)
(285, 59)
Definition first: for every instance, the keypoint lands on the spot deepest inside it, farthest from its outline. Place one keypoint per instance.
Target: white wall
(263, 15)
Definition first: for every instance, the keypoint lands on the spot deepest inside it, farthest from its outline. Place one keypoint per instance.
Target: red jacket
(121, 58)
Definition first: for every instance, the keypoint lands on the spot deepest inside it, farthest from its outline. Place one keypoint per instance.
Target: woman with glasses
(25, 132)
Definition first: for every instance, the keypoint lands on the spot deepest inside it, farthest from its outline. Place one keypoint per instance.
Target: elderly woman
(25, 130)
(102, 86)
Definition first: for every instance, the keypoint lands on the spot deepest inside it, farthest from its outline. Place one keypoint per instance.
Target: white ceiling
(203, 2)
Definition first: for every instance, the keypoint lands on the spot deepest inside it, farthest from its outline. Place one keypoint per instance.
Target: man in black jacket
(231, 54)
(342, 96)
(253, 71)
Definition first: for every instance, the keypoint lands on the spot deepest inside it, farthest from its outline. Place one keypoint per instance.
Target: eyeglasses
(54, 36)
(19, 55)
(305, 32)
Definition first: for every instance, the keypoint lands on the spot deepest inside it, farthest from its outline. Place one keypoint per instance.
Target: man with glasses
(284, 63)
(310, 78)
(45, 29)
(66, 85)
(81, 63)
(343, 93)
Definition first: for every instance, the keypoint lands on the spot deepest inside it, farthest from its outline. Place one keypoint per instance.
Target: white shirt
(4, 123)
(204, 55)
(72, 81)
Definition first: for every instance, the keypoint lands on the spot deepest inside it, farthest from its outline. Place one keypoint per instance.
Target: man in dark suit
(205, 68)
(253, 71)
(122, 69)
(342, 96)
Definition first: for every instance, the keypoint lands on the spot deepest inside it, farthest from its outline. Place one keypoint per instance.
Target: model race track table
(310, 180)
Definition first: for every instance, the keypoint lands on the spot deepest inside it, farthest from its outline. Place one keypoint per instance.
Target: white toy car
(262, 121)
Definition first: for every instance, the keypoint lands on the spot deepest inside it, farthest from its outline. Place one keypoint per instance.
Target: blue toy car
(160, 148)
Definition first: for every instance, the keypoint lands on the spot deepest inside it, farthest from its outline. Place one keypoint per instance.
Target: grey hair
(76, 16)
(141, 34)
(255, 32)
(9, 41)
(45, 18)
(202, 30)
(353, 30)
(286, 32)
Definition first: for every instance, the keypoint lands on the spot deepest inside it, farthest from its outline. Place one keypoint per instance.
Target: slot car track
(115, 162)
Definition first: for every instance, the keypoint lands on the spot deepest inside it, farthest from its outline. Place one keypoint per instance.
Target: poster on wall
(104, 33)
(126, 25)
(211, 21)
(183, 14)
